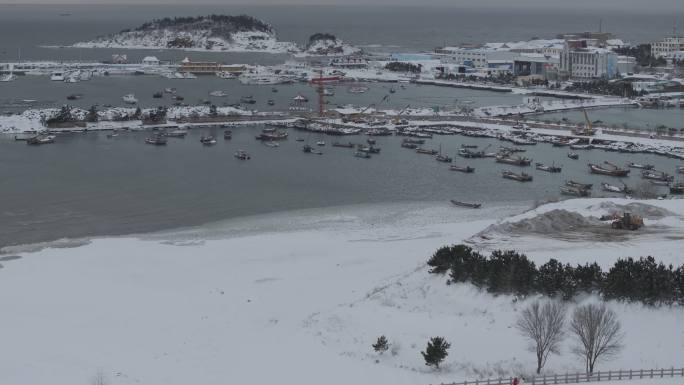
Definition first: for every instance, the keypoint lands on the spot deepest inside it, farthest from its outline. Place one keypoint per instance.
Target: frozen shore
(302, 295)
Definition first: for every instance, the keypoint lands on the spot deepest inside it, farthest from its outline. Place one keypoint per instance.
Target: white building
(626, 64)
(666, 46)
(580, 62)
(150, 61)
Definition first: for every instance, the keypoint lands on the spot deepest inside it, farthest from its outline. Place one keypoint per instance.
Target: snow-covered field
(299, 297)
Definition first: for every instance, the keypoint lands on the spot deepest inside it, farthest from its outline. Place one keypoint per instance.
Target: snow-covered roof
(150, 59)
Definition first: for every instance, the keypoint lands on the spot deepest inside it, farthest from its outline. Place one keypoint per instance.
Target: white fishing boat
(130, 99)
(57, 77)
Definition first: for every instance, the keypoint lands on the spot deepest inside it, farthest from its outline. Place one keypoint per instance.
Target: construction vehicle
(588, 129)
(628, 222)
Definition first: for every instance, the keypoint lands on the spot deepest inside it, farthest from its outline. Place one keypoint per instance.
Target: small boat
(157, 140)
(158, 95)
(227, 134)
(270, 102)
(467, 153)
(392, 90)
(466, 204)
(274, 90)
(616, 189)
(271, 144)
(345, 145)
(310, 150)
(179, 133)
(208, 140)
(516, 161)
(357, 90)
(300, 99)
(247, 100)
(573, 155)
(362, 154)
(370, 141)
(413, 141)
(680, 169)
(443, 158)
(522, 177)
(560, 142)
(677, 188)
(40, 139)
(242, 155)
(641, 166)
(74, 96)
(271, 136)
(466, 169)
(328, 92)
(614, 171)
(585, 186)
(170, 90)
(427, 151)
(369, 149)
(574, 191)
(299, 139)
(218, 94)
(57, 77)
(320, 143)
(468, 146)
(581, 147)
(409, 145)
(130, 99)
(543, 167)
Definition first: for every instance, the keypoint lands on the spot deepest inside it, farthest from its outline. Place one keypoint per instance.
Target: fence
(576, 378)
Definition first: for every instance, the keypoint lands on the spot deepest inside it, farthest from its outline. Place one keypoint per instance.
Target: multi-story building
(580, 62)
(667, 46)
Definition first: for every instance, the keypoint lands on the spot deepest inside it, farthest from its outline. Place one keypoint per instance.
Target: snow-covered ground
(300, 297)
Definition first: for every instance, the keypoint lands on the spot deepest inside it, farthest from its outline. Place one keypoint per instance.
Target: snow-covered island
(204, 33)
(325, 44)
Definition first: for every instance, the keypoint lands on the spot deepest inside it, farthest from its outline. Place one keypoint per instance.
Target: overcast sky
(652, 5)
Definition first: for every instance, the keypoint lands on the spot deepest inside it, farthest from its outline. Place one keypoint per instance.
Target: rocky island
(203, 33)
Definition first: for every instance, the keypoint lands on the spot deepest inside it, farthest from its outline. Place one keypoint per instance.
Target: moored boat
(514, 160)
(466, 204)
(40, 139)
(656, 175)
(242, 155)
(179, 133)
(616, 189)
(585, 186)
(614, 171)
(522, 177)
(130, 99)
(362, 154)
(426, 151)
(677, 188)
(157, 140)
(573, 155)
(466, 169)
(227, 134)
(208, 140)
(574, 191)
(345, 145)
(552, 168)
(641, 166)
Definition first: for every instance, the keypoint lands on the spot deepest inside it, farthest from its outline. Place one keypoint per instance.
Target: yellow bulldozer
(628, 221)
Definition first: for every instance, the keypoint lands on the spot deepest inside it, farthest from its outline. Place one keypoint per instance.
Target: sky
(654, 5)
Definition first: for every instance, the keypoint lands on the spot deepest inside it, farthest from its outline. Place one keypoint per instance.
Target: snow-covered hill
(297, 297)
(324, 44)
(208, 33)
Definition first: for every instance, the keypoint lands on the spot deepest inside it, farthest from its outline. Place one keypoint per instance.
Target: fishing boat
(241, 154)
(413, 141)
(208, 140)
(426, 151)
(247, 100)
(574, 191)
(130, 99)
(466, 204)
(522, 177)
(616, 189)
(345, 145)
(613, 171)
(179, 133)
(218, 94)
(560, 142)
(370, 141)
(271, 144)
(274, 90)
(641, 166)
(466, 153)
(57, 76)
(409, 145)
(227, 134)
(656, 175)
(170, 90)
(581, 147)
(362, 154)
(468, 146)
(516, 161)
(40, 139)
(157, 140)
(443, 158)
(270, 102)
(466, 169)
(74, 96)
(573, 155)
(677, 188)
(543, 167)
(357, 90)
(158, 95)
(680, 169)
(585, 186)
(310, 150)
(271, 136)
(320, 143)
(299, 139)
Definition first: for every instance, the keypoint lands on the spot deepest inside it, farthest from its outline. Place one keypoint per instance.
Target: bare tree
(99, 378)
(543, 325)
(597, 332)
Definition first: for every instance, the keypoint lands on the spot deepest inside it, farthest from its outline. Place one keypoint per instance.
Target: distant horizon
(579, 5)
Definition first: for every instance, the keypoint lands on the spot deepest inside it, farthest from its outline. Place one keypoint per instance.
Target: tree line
(509, 272)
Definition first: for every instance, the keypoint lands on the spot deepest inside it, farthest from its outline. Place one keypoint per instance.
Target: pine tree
(436, 351)
(381, 345)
